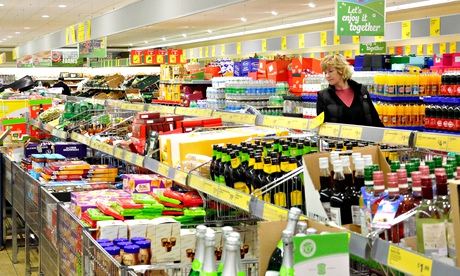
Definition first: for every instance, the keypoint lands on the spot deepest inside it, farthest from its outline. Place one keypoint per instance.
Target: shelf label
(163, 169)
(429, 49)
(80, 138)
(200, 112)
(379, 38)
(118, 153)
(435, 26)
(323, 38)
(131, 106)
(102, 147)
(222, 50)
(236, 117)
(351, 132)
(329, 130)
(301, 41)
(391, 50)
(287, 122)
(238, 48)
(396, 137)
(408, 262)
(432, 141)
(138, 160)
(283, 43)
(407, 50)
(452, 47)
(317, 121)
(453, 144)
(161, 109)
(274, 213)
(180, 177)
(348, 53)
(204, 185)
(406, 29)
(200, 52)
(213, 51)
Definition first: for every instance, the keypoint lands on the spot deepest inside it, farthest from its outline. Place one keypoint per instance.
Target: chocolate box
(37, 148)
(71, 149)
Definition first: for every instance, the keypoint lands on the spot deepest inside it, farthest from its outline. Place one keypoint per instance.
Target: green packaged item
(125, 212)
(162, 198)
(97, 215)
(145, 216)
(195, 212)
(144, 199)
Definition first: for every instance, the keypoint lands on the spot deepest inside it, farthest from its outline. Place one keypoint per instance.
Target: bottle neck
(230, 262)
(209, 263)
(235, 163)
(199, 254)
(288, 255)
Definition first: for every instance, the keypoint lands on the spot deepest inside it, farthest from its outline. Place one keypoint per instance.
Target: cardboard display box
(164, 234)
(454, 188)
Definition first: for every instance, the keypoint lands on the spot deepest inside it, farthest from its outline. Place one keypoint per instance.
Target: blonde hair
(340, 64)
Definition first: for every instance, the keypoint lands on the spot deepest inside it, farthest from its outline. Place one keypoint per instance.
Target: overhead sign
(96, 48)
(360, 17)
(78, 33)
(373, 48)
(42, 59)
(2, 58)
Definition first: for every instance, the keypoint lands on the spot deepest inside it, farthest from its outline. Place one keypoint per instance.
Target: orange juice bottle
(392, 113)
(435, 83)
(399, 115)
(407, 84)
(415, 83)
(428, 84)
(378, 108)
(408, 114)
(422, 84)
(390, 84)
(399, 85)
(421, 114)
(385, 116)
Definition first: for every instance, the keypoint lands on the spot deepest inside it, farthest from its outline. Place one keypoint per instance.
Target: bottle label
(272, 273)
(241, 186)
(267, 198)
(443, 89)
(280, 199)
(366, 219)
(457, 90)
(409, 227)
(433, 236)
(235, 163)
(296, 198)
(451, 240)
(386, 212)
(356, 214)
(336, 215)
(286, 271)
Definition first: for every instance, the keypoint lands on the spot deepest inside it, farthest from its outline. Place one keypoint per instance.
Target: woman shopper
(345, 101)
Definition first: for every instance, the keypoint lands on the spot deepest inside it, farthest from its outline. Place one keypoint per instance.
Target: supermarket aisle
(7, 268)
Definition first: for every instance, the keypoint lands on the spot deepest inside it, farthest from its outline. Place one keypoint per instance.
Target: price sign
(138, 160)
(213, 51)
(183, 58)
(160, 59)
(222, 50)
(271, 121)
(406, 29)
(396, 137)
(329, 130)
(130, 106)
(283, 43)
(408, 262)
(201, 52)
(452, 47)
(238, 48)
(264, 45)
(355, 39)
(161, 109)
(348, 53)
(351, 132)
(453, 144)
(317, 121)
(180, 177)
(435, 26)
(118, 153)
(323, 38)
(204, 185)
(429, 49)
(287, 122)
(431, 141)
(419, 49)
(442, 48)
(301, 41)
(274, 213)
(163, 169)
(378, 38)
(206, 51)
(336, 39)
(391, 50)
(407, 50)
(172, 59)
(236, 117)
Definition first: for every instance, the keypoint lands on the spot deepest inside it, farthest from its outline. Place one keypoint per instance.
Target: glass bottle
(230, 265)
(212, 167)
(417, 187)
(266, 178)
(225, 162)
(209, 262)
(276, 259)
(297, 190)
(226, 231)
(340, 203)
(235, 177)
(430, 224)
(443, 202)
(239, 266)
(197, 263)
(301, 229)
(355, 193)
(283, 191)
(287, 266)
(325, 191)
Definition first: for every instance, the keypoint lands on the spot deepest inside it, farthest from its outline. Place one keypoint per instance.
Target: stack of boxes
(298, 70)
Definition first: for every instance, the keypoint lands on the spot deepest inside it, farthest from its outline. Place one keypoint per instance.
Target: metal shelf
(186, 82)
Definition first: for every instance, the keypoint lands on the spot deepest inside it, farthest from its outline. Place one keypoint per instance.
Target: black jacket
(65, 88)
(361, 111)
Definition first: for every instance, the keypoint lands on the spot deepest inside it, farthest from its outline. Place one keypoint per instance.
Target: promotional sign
(96, 48)
(373, 48)
(2, 58)
(68, 57)
(42, 59)
(314, 255)
(360, 17)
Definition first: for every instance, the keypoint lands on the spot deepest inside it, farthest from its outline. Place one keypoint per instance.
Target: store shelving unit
(364, 247)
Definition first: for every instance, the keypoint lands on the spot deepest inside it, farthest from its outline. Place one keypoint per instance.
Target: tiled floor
(7, 268)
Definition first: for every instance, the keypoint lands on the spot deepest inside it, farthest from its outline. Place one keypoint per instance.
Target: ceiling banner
(359, 17)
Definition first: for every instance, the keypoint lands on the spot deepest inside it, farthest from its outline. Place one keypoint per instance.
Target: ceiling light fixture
(209, 31)
(184, 35)
(10, 36)
(62, 6)
(17, 32)
(163, 38)
(2, 5)
(418, 5)
(244, 19)
(26, 28)
(45, 16)
(274, 13)
(130, 44)
(145, 42)
(311, 5)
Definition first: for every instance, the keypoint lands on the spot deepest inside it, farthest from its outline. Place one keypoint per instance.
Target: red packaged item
(108, 210)
(173, 194)
(128, 203)
(167, 202)
(148, 115)
(85, 217)
(192, 199)
(172, 213)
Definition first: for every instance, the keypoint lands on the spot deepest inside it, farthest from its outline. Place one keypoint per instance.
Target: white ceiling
(16, 15)
(19, 15)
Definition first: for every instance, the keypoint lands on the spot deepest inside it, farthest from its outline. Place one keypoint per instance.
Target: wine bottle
(226, 231)
(209, 263)
(239, 266)
(287, 266)
(340, 203)
(199, 251)
(301, 229)
(276, 259)
(325, 185)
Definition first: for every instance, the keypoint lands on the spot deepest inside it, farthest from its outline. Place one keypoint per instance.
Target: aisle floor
(7, 267)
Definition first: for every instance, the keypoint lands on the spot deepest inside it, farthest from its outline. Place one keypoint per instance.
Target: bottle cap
(235, 235)
(294, 213)
(377, 175)
(359, 163)
(323, 163)
(145, 244)
(113, 250)
(106, 244)
(132, 248)
(402, 175)
(123, 244)
(116, 241)
(416, 181)
(136, 239)
(439, 170)
(424, 169)
(210, 237)
(393, 188)
(104, 240)
(311, 231)
(233, 242)
(355, 155)
(201, 229)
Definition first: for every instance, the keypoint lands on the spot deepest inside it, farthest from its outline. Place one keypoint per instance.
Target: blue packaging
(249, 65)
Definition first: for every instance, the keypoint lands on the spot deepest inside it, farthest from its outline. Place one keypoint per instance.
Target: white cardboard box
(164, 234)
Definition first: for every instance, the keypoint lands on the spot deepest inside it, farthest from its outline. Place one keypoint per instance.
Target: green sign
(315, 255)
(96, 48)
(373, 48)
(360, 17)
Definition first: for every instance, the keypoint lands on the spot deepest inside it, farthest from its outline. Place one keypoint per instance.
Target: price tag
(204, 185)
(201, 52)
(213, 51)
(283, 43)
(406, 29)
(201, 112)
(396, 137)
(236, 117)
(138, 160)
(271, 121)
(407, 50)
(442, 48)
(118, 153)
(429, 49)
(419, 49)
(336, 40)
(355, 39)
(432, 141)
(264, 45)
(161, 109)
(391, 50)
(348, 53)
(453, 144)
(274, 213)
(301, 41)
(452, 47)
(317, 121)
(136, 59)
(435, 26)
(329, 130)
(351, 132)
(379, 38)
(238, 48)
(163, 169)
(131, 106)
(408, 262)
(160, 59)
(323, 38)
(180, 177)
(206, 51)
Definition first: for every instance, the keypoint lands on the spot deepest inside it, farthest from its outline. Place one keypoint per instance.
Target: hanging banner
(65, 58)
(42, 59)
(360, 17)
(2, 58)
(136, 57)
(435, 26)
(406, 29)
(96, 48)
(373, 48)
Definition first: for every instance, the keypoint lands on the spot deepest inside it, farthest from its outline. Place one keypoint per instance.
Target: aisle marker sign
(301, 41)
(419, 49)
(429, 49)
(264, 45)
(238, 48)
(336, 40)
(442, 48)
(435, 26)
(323, 38)
(355, 39)
(406, 29)
(283, 43)
(358, 17)
(452, 47)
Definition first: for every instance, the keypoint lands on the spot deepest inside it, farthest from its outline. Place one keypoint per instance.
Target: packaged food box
(144, 183)
(69, 165)
(112, 229)
(187, 245)
(36, 148)
(164, 234)
(70, 149)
